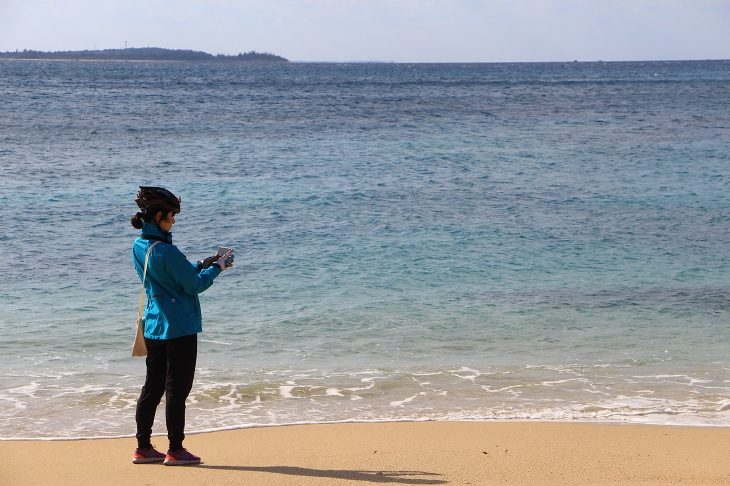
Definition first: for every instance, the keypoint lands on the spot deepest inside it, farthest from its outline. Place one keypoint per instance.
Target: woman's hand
(225, 261)
(202, 265)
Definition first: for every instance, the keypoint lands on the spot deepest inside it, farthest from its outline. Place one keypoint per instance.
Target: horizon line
(18, 51)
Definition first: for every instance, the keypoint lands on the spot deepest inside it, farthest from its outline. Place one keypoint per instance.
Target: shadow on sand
(370, 476)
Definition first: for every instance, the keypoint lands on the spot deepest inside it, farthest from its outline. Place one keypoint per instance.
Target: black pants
(170, 370)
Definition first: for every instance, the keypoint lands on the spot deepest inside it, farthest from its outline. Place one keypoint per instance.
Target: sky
(381, 30)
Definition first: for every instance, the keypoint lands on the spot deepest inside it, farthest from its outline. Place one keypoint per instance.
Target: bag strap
(144, 277)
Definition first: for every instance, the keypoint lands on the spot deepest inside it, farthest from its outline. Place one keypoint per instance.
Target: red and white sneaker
(145, 456)
(181, 458)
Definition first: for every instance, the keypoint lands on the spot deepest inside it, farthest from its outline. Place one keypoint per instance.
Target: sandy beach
(479, 453)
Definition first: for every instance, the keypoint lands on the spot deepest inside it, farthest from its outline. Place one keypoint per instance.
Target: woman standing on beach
(172, 322)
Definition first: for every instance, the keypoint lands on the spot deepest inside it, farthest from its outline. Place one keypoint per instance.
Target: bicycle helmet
(150, 197)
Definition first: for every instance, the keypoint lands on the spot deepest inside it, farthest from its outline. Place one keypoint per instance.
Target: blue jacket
(172, 286)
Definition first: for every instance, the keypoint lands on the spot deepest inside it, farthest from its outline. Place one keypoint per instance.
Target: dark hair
(147, 216)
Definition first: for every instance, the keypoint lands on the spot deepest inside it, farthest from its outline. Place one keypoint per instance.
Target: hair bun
(137, 220)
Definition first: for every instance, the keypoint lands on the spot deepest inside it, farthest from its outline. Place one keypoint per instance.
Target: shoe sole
(146, 460)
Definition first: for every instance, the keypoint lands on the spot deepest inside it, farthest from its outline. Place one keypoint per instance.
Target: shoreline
(141, 60)
(533, 453)
(607, 423)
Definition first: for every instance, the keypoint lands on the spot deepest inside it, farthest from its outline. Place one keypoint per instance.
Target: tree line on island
(142, 54)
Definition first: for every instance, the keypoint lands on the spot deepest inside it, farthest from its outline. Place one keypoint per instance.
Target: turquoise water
(414, 242)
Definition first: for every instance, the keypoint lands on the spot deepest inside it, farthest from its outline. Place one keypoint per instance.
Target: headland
(141, 54)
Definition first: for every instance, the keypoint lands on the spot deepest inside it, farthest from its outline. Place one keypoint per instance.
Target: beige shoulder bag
(140, 348)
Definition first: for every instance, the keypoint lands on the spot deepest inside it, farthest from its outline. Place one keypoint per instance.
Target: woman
(172, 322)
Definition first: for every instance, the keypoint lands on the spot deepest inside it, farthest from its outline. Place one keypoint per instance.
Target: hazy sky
(381, 30)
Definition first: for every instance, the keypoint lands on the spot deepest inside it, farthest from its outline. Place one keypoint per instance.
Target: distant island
(142, 54)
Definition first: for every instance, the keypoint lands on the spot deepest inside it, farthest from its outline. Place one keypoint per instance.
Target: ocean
(542, 241)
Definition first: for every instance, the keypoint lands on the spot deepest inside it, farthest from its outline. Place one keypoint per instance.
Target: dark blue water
(479, 241)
